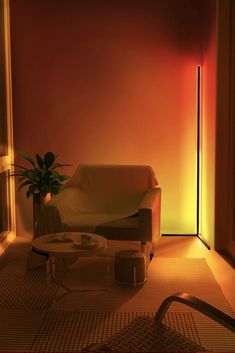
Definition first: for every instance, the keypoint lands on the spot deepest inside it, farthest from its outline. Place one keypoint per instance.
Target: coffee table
(67, 244)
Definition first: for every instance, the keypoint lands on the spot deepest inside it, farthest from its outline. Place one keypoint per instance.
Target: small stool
(130, 267)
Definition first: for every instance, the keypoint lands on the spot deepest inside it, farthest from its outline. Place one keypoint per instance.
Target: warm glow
(6, 161)
(180, 217)
(208, 145)
(9, 238)
(124, 93)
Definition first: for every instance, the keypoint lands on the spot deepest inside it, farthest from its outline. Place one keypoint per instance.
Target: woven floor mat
(18, 329)
(214, 337)
(25, 290)
(78, 319)
(71, 331)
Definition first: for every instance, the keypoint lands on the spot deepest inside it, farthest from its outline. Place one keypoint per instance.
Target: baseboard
(203, 240)
(199, 236)
(179, 235)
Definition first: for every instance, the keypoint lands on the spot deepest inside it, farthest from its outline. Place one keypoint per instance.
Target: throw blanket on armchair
(95, 195)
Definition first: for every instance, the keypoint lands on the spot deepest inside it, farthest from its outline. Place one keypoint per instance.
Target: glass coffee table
(65, 245)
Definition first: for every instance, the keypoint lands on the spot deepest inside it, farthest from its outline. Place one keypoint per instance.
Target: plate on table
(93, 243)
(60, 239)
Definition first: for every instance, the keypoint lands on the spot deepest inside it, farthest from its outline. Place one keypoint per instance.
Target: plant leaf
(57, 165)
(28, 193)
(63, 177)
(33, 188)
(42, 177)
(30, 175)
(26, 156)
(17, 174)
(22, 178)
(39, 161)
(27, 182)
(49, 159)
(19, 166)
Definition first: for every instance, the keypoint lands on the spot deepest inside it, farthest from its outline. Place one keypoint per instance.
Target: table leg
(48, 269)
(134, 273)
(51, 279)
(53, 270)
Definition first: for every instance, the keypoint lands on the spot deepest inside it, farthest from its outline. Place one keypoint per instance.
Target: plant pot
(38, 202)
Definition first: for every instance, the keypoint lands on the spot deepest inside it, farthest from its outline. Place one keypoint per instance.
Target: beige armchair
(120, 202)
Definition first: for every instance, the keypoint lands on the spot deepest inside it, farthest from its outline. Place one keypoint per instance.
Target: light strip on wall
(198, 161)
(198, 197)
(198, 148)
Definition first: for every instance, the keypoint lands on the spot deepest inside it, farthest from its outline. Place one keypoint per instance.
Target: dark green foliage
(42, 178)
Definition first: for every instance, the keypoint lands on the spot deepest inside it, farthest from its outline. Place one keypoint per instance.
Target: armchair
(120, 202)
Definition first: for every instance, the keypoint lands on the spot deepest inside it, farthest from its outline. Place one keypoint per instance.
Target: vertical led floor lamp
(198, 195)
(198, 162)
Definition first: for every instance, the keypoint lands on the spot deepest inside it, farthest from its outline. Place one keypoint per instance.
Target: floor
(38, 328)
(192, 247)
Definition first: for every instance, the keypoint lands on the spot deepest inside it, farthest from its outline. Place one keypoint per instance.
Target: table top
(68, 243)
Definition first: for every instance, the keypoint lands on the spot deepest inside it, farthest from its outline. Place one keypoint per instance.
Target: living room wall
(110, 82)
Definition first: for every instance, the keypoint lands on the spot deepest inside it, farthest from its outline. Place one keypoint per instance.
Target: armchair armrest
(149, 215)
(150, 199)
(198, 304)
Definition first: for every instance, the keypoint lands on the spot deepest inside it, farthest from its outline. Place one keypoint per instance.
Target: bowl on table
(85, 242)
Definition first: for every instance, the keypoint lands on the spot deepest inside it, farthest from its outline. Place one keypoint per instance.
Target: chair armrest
(150, 199)
(149, 215)
(198, 304)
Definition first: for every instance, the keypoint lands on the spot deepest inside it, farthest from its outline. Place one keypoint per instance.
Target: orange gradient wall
(97, 82)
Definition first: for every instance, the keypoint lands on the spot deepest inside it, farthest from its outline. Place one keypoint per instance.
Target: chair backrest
(107, 177)
(112, 187)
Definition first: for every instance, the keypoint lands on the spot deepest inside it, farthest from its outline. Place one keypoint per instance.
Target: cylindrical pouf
(130, 267)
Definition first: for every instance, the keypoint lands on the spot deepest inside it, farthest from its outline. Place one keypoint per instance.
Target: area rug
(71, 331)
(25, 290)
(165, 277)
(80, 318)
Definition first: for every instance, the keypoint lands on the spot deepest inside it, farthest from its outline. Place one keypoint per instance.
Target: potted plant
(42, 179)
